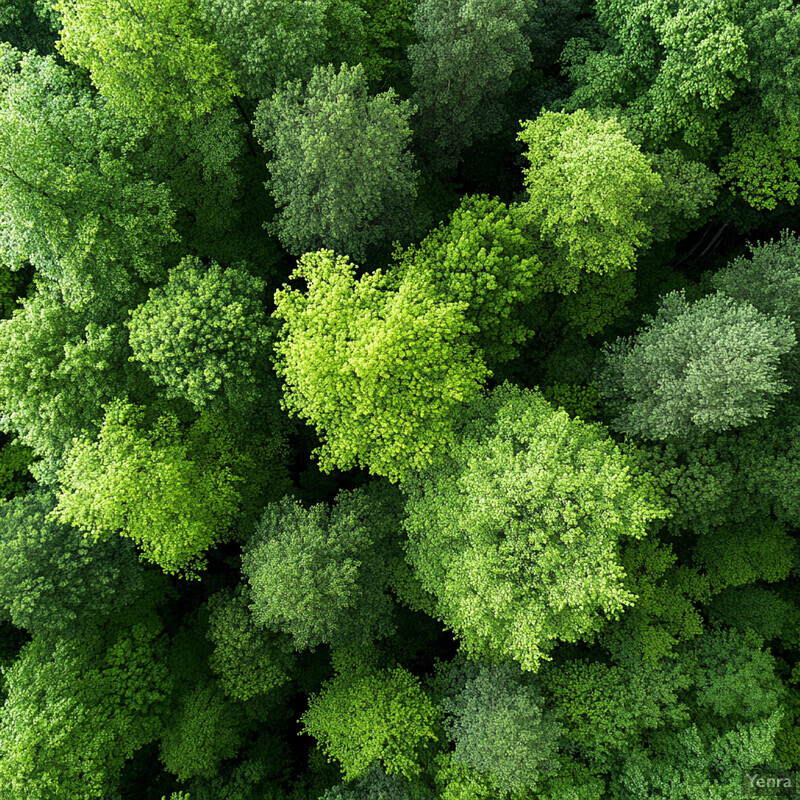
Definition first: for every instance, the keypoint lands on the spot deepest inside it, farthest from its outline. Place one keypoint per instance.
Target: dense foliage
(399, 399)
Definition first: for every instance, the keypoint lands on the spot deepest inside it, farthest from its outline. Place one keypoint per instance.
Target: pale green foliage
(57, 371)
(74, 202)
(203, 334)
(501, 727)
(173, 492)
(707, 366)
(153, 60)
(518, 533)
(205, 730)
(340, 173)
(320, 574)
(467, 54)
(53, 579)
(78, 708)
(248, 660)
(370, 717)
(380, 372)
(769, 279)
(485, 256)
(589, 189)
(270, 42)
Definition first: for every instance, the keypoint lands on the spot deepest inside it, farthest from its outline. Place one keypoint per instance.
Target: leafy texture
(708, 366)
(203, 335)
(340, 171)
(320, 574)
(381, 373)
(153, 60)
(518, 533)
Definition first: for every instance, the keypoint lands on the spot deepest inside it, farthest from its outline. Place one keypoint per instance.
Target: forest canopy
(399, 399)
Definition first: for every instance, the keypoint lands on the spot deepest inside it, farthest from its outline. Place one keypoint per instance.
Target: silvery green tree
(501, 726)
(769, 279)
(340, 170)
(707, 366)
(463, 63)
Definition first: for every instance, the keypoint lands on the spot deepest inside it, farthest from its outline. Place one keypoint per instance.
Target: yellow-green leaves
(380, 372)
(153, 60)
(588, 190)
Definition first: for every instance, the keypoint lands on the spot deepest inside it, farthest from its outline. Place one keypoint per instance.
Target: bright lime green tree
(366, 718)
(153, 60)
(589, 188)
(174, 492)
(381, 373)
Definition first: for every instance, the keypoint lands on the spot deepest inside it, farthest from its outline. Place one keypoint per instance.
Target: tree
(321, 574)
(589, 189)
(376, 786)
(500, 726)
(274, 41)
(29, 25)
(206, 730)
(248, 660)
(708, 366)
(203, 334)
(518, 532)
(75, 203)
(175, 493)
(55, 581)
(366, 718)
(77, 708)
(464, 62)
(739, 72)
(340, 172)
(153, 61)
(768, 280)
(57, 371)
(485, 256)
(380, 372)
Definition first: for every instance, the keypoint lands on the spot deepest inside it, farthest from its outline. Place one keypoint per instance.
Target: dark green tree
(321, 574)
(340, 170)
(54, 580)
(77, 708)
(466, 59)
(501, 726)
